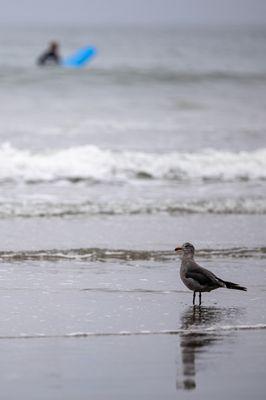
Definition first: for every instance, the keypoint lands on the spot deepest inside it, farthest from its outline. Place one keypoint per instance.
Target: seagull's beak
(178, 248)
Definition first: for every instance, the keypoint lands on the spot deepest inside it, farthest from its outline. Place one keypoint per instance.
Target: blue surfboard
(80, 58)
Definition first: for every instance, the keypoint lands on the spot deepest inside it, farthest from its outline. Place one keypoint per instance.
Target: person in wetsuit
(50, 56)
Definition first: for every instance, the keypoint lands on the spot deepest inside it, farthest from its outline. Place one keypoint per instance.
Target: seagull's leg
(199, 298)
(194, 296)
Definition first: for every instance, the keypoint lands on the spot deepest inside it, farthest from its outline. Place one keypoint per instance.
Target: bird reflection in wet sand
(194, 340)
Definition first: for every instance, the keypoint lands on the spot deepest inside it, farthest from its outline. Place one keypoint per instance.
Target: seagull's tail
(231, 285)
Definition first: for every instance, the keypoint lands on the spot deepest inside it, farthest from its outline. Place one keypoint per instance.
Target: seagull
(197, 278)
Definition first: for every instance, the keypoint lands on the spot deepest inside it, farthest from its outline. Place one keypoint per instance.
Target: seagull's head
(186, 248)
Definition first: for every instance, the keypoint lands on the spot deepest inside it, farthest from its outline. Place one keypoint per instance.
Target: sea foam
(57, 208)
(94, 163)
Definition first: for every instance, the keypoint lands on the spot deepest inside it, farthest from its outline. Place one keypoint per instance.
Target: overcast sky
(112, 12)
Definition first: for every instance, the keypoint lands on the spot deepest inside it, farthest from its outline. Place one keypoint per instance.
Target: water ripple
(107, 255)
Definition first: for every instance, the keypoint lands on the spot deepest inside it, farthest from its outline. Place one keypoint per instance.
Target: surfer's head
(54, 46)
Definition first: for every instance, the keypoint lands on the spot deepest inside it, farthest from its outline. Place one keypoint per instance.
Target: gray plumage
(197, 278)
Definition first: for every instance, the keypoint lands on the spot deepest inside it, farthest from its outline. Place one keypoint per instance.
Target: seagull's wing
(200, 277)
(203, 276)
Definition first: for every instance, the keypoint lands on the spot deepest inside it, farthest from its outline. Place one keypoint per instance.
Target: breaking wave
(92, 163)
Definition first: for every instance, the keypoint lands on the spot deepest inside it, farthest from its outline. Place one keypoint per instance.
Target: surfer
(50, 56)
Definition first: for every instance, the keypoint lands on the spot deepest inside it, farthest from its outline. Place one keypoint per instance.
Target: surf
(94, 163)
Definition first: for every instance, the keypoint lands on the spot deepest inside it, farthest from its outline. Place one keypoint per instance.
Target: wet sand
(145, 367)
(117, 322)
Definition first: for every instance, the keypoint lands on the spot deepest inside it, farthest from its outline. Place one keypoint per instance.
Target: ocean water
(103, 170)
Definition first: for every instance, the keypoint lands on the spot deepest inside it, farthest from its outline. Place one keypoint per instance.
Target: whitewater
(94, 163)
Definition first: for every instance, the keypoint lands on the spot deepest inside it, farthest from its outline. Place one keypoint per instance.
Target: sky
(133, 12)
